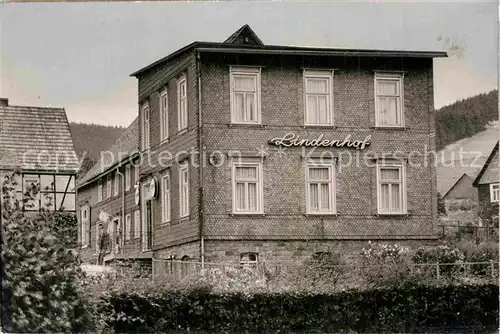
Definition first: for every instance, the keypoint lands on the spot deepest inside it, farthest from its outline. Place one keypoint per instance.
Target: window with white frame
(247, 186)
(128, 226)
(137, 224)
(320, 183)
(108, 186)
(164, 115)
(165, 186)
(245, 95)
(116, 184)
(391, 187)
(182, 111)
(318, 97)
(494, 193)
(99, 190)
(85, 225)
(389, 100)
(128, 176)
(184, 190)
(145, 126)
(249, 260)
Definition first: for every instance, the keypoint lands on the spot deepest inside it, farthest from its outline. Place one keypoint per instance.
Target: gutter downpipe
(200, 161)
(123, 205)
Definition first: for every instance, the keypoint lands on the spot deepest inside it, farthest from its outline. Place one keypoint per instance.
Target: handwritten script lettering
(292, 140)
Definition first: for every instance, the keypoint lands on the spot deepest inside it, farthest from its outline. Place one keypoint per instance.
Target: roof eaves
(106, 171)
(486, 163)
(166, 58)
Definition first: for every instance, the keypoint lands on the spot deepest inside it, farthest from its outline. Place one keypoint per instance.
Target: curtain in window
(317, 94)
(245, 90)
(246, 189)
(390, 190)
(319, 189)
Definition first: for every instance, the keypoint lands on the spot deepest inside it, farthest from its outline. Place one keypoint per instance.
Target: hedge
(402, 309)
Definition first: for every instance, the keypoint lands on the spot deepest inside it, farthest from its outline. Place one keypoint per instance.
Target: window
(137, 224)
(389, 100)
(320, 192)
(99, 190)
(165, 186)
(494, 192)
(391, 188)
(145, 127)
(116, 184)
(247, 187)
(128, 176)
(163, 115)
(318, 97)
(108, 186)
(248, 260)
(48, 191)
(128, 226)
(245, 95)
(182, 103)
(184, 190)
(85, 225)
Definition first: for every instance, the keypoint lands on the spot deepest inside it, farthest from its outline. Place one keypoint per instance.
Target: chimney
(4, 102)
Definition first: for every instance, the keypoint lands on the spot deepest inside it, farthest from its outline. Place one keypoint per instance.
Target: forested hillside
(93, 138)
(465, 118)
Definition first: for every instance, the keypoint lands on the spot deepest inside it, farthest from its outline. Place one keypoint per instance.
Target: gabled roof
(244, 35)
(36, 139)
(125, 146)
(494, 151)
(464, 175)
(236, 44)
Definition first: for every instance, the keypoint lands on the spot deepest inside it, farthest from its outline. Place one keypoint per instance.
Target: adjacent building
(36, 143)
(109, 217)
(248, 147)
(462, 189)
(488, 187)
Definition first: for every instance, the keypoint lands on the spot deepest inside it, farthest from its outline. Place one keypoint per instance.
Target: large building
(36, 143)
(254, 152)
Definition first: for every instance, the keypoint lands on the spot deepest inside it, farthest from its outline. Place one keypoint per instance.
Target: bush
(483, 252)
(40, 278)
(441, 206)
(412, 308)
(441, 254)
(462, 205)
(384, 265)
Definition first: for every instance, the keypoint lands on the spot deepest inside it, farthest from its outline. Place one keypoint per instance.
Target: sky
(80, 55)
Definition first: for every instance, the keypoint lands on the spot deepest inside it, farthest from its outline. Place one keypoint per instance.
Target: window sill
(320, 214)
(181, 132)
(319, 126)
(167, 223)
(184, 218)
(247, 214)
(402, 214)
(255, 125)
(384, 127)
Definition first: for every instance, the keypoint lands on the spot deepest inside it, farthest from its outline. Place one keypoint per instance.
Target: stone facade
(284, 231)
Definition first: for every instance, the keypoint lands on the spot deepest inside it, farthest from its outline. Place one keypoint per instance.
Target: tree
(441, 207)
(40, 276)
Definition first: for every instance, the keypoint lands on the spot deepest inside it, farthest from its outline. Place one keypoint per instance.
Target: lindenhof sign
(293, 140)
